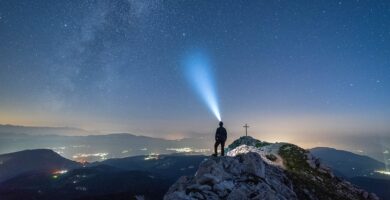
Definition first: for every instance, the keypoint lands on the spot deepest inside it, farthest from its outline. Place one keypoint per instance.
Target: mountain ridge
(348, 164)
(251, 172)
(32, 160)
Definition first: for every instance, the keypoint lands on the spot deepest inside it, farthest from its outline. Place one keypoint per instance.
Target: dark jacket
(221, 134)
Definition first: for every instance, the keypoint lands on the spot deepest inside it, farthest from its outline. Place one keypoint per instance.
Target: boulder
(245, 176)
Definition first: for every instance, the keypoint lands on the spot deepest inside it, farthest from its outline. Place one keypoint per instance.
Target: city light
(383, 172)
(61, 171)
(152, 156)
(188, 150)
(102, 156)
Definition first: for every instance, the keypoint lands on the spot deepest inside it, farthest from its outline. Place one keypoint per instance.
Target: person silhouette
(220, 138)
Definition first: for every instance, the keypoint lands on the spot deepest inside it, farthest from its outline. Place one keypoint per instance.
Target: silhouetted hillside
(381, 187)
(98, 182)
(169, 166)
(123, 178)
(13, 164)
(345, 163)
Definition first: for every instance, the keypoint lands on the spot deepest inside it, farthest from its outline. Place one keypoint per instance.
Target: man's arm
(225, 134)
(217, 134)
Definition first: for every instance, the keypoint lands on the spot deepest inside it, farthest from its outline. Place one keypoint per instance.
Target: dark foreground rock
(245, 176)
(247, 173)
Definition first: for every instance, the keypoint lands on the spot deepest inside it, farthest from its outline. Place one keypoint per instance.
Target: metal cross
(246, 129)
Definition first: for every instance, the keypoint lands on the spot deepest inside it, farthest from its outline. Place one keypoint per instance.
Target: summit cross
(246, 129)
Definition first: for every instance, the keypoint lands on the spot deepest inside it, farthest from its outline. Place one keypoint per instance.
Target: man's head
(220, 123)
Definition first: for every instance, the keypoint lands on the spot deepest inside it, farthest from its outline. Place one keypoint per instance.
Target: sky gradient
(293, 70)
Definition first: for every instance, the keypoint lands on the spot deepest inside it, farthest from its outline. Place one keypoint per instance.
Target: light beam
(201, 78)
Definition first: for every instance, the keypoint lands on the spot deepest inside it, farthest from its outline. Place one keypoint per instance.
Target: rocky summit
(264, 171)
(245, 176)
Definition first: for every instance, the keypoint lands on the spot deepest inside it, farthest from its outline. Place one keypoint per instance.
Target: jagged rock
(208, 179)
(245, 176)
(247, 173)
(237, 194)
(373, 196)
(271, 157)
(211, 195)
(197, 187)
(204, 187)
(247, 140)
(223, 188)
(177, 196)
(365, 194)
(315, 163)
(196, 195)
(262, 151)
(214, 172)
(253, 164)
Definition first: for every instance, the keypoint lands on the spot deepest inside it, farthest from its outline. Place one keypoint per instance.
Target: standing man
(220, 139)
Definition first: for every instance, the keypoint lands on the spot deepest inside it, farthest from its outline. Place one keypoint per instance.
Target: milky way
(288, 68)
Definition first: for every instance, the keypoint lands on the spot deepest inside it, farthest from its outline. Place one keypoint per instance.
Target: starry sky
(293, 70)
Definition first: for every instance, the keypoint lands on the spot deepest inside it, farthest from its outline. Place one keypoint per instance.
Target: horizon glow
(121, 66)
(200, 76)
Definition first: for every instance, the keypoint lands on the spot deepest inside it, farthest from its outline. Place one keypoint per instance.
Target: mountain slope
(245, 176)
(122, 178)
(314, 180)
(269, 171)
(169, 166)
(14, 164)
(346, 163)
(378, 186)
(98, 182)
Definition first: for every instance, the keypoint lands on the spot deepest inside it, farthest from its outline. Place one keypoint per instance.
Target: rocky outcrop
(315, 181)
(245, 176)
(315, 163)
(260, 170)
(268, 153)
(247, 140)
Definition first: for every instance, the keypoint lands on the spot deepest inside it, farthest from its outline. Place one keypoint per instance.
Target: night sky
(292, 70)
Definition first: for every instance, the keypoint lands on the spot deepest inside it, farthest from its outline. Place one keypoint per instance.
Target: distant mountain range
(76, 143)
(120, 155)
(92, 148)
(8, 129)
